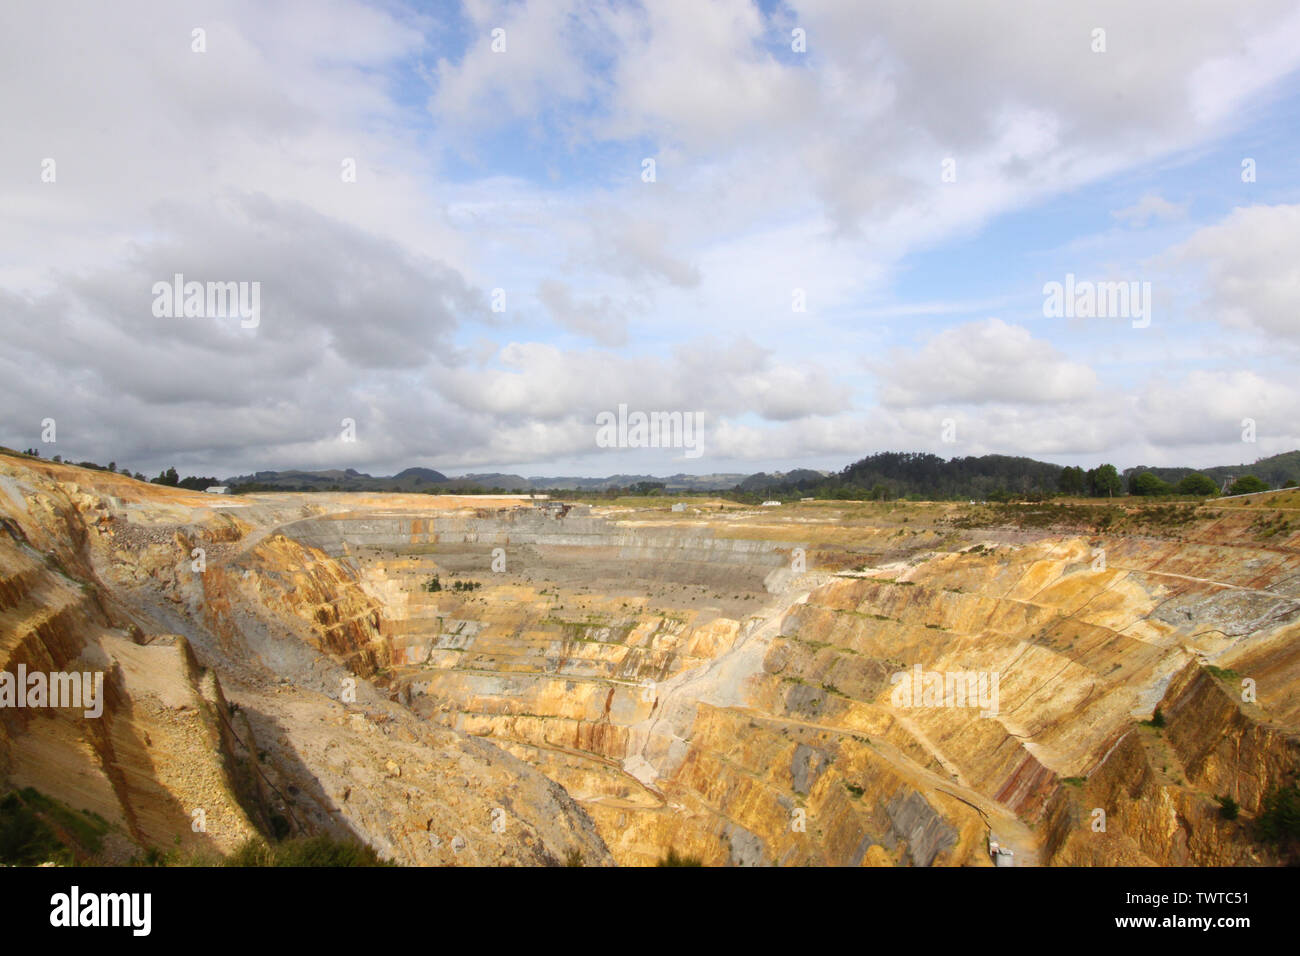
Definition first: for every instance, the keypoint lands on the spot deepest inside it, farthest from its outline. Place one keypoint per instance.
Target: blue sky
(777, 174)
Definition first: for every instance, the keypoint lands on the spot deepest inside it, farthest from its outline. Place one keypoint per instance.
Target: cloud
(597, 319)
(777, 170)
(1211, 406)
(1250, 269)
(1149, 208)
(980, 363)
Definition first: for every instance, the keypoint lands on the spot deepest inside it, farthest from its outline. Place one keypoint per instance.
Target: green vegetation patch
(305, 851)
(1222, 673)
(1278, 822)
(1157, 720)
(36, 829)
(674, 859)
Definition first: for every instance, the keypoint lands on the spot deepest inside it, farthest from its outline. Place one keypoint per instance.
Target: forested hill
(1276, 470)
(895, 474)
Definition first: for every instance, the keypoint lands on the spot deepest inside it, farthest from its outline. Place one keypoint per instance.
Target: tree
(112, 466)
(1228, 807)
(1149, 484)
(1104, 482)
(1279, 819)
(1072, 480)
(168, 477)
(1247, 485)
(1197, 484)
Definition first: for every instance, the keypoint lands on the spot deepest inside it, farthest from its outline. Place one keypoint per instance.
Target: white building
(217, 490)
(771, 504)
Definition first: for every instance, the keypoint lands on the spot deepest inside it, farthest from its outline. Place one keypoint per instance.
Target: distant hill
(1277, 470)
(888, 474)
(412, 479)
(490, 480)
(428, 480)
(903, 474)
(762, 481)
(892, 474)
(420, 474)
(717, 482)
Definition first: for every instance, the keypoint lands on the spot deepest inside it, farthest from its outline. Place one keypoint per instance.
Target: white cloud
(1250, 264)
(984, 362)
(1149, 208)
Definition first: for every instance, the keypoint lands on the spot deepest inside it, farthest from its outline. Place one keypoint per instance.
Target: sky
(826, 228)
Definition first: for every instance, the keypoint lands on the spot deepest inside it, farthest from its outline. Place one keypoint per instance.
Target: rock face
(477, 681)
(235, 700)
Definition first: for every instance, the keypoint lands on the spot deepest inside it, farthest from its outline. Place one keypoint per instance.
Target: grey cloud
(597, 319)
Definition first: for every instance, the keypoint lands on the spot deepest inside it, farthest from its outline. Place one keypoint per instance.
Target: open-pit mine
(487, 680)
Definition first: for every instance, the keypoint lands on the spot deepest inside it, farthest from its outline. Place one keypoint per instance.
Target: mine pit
(654, 680)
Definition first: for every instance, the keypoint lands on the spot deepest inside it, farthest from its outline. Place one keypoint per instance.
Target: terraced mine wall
(757, 727)
(574, 546)
(219, 640)
(161, 745)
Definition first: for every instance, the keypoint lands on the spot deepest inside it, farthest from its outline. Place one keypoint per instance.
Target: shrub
(1279, 818)
(1197, 484)
(1157, 719)
(36, 829)
(672, 859)
(304, 851)
(25, 839)
(1148, 484)
(1246, 485)
(1227, 807)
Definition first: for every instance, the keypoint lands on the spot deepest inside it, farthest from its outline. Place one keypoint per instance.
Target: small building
(679, 507)
(218, 490)
(552, 509)
(771, 504)
(1000, 855)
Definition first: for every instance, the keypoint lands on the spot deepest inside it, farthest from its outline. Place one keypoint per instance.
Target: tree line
(919, 475)
(167, 476)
